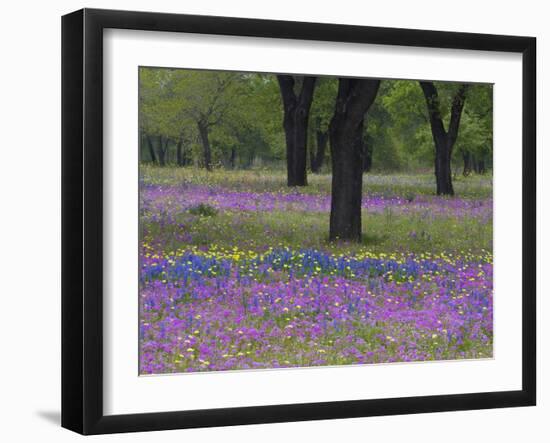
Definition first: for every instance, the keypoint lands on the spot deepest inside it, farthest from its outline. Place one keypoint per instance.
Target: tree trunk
(347, 183)
(288, 125)
(207, 153)
(312, 159)
(179, 153)
(443, 140)
(443, 173)
(151, 149)
(318, 157)
(296, 109)
(481, 167)
(161, 151)
(354, 98)
(467, 159)
(232, 157)
(367, 153)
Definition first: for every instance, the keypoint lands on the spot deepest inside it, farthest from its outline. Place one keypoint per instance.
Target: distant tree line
(313, 124)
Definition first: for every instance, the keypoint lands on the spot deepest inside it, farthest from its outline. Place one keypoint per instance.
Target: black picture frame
(82, 218)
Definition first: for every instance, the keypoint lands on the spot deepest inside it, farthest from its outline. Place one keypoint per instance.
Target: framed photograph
(269, 221)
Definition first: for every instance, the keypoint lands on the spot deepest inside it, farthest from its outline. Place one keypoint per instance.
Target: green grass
(387, 232)
(260, 180)
(381, 233)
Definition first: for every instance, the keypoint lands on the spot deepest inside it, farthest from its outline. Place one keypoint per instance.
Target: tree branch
(306, 94)
(456, 112)
(286, 84)
(434, 110)
(355, 96)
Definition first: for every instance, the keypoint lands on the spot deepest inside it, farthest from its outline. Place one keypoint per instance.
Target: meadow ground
(237, 272)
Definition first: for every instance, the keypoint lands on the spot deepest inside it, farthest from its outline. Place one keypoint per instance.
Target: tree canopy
(235, 120)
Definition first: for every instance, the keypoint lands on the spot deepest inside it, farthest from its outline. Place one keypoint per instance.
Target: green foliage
(324, 100)
(476, 134)
(243, 113)
(203, 210)
(408, 124)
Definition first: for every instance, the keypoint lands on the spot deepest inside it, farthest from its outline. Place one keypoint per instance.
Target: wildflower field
(236, 272)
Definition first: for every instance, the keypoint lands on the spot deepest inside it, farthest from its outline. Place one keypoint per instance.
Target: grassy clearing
(401, 185)
(381, 232)
(391, 231)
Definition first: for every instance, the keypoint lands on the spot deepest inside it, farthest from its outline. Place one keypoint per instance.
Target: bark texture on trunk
(355, 96)
(443, 140)
(296, 106)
